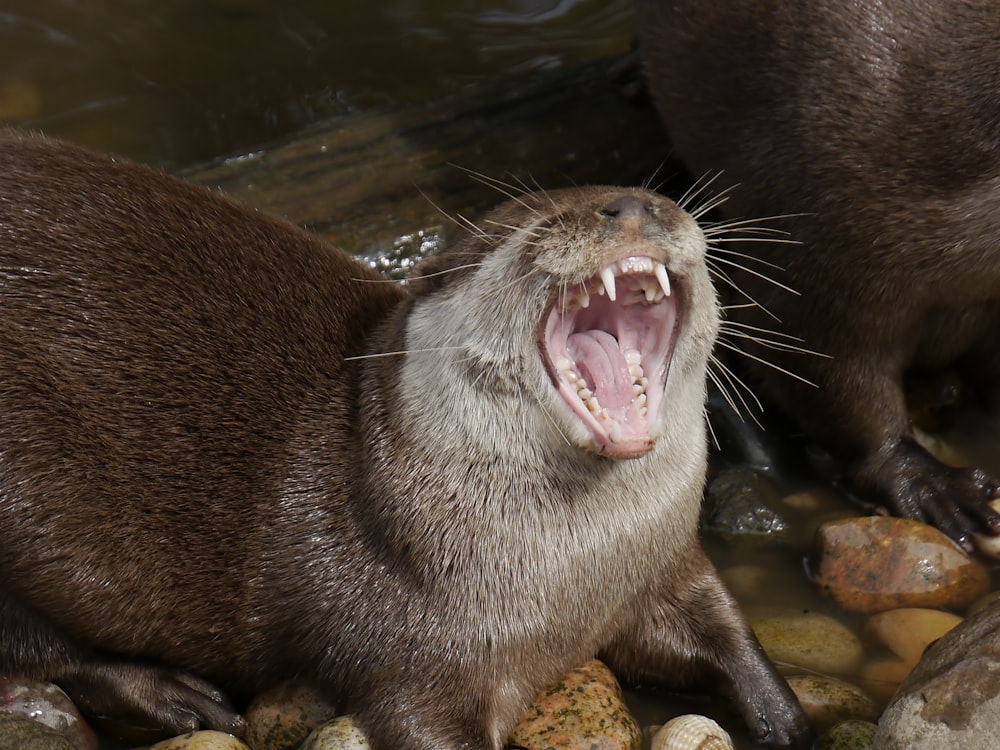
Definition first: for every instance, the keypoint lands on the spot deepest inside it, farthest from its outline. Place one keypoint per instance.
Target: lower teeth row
(639, 384)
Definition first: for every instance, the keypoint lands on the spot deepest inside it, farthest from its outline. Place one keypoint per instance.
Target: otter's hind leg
(33, 648)
(693, 635)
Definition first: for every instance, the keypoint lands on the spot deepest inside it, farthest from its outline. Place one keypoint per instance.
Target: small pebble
(744, 580)
(882, 677)
(49, 705)
(879, 563)
(343, 733)
(281, 718)
(907, 632)
(19, 733)
(583, 711)
(827, 701)
(807, 640)
(848, 735)
(206, 740)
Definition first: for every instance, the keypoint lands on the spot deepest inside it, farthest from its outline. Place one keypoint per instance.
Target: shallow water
(172, 83)
(192, 80)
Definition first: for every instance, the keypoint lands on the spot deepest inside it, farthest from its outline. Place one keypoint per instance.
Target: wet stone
(951, 700)
(46, 704)
(281, 718)
(207, 740)
(343, 733)
(807, 640)
(583, 711)
(19, 733)
(848, 735)
(880, 563)
(908, 632)
(741, 502)
(828, 701)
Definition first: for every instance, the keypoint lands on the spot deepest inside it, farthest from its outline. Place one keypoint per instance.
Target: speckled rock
(282, 717)
(951, 701)
(741, 502)
(342, 733)
(809, 640)
(848, 735)
(46, 704)
(19, 733)
(827, 701)
(584, 711)
(879, 563)
(206, 740)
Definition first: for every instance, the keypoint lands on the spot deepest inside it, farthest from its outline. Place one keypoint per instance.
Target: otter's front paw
(164, 698)
(911, 483)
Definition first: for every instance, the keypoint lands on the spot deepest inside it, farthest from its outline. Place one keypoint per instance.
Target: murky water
(187, 80)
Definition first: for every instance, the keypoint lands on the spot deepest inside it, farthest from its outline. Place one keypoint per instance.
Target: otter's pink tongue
(600, 361)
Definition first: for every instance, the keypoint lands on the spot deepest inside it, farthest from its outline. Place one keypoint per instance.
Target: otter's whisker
(772, 365)
(758, 274)
(357, 357)
(733, 388)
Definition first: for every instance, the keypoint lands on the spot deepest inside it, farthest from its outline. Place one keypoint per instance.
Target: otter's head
(593, 304)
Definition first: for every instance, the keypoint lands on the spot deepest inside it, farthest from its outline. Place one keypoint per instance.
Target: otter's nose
(628, 207)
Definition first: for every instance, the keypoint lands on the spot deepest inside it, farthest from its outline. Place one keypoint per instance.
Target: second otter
(206, 463)
(874, 127)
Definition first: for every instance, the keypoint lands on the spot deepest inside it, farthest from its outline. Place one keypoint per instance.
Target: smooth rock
(907, 632)
(583, 711)
(48, 705)
(744, 581)
(741, 502)
(828, 701)
(19, 733)
(205, 740)
(879, 563)
(808, 640)
(281, 718)
(882, 677)
(342, 733)
(951, 701)
(848, 735)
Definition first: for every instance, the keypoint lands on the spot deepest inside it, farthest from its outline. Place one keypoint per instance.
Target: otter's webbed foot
(912, 483)
(165, 698)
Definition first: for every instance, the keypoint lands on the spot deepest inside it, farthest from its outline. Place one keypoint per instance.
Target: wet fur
(200, 469)
(875, 126)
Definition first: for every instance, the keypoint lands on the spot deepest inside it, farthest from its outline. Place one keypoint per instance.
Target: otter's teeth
(660, 271)
(608, 277)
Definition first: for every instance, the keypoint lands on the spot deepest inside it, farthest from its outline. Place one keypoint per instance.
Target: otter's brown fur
(875, 126)
(198, 474)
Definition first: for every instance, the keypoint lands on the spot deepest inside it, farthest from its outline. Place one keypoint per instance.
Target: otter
(873, 129)
(231, 454)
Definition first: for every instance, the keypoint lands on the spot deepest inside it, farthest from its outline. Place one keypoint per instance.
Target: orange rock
(584, 711)
(880, 563)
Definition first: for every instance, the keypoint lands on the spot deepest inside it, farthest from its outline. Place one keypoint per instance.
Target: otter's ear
(441, 269)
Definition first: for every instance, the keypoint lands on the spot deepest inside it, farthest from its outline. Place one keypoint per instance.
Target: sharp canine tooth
(661, 275)
(608, 277)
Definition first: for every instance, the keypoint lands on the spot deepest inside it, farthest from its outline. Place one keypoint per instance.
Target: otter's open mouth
(607, 344)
